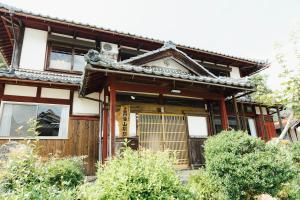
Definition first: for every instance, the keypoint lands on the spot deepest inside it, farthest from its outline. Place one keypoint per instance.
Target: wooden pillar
(279, 118)
(18, 48)
(264, 129)
(224, 117)
(112, 110)
(244, 117)
(236, 110)
(211, 113)
(105, 126)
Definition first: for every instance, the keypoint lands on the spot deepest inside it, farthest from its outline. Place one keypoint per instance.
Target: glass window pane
(218, 124)
(249, 108)
(251, 127)
(230, 107)
(216, 107)
(79, 61)
(52, 120)
(15, 117)
(48, 117)
(232, 122)
(61, 58)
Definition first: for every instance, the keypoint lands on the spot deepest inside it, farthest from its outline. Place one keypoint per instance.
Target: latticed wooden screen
(159, 132)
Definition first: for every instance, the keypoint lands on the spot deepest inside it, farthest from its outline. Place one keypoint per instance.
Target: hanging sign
(125, 120)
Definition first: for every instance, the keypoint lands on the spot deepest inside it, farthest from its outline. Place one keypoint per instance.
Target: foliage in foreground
(25, 177)
(291, 190)
(137, 175)
(207, 186)
(246, 166)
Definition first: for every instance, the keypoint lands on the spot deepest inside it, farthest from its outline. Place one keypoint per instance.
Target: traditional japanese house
(90, 88)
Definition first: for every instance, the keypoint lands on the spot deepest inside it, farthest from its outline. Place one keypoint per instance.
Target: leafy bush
(291, 190)
(24, 176)
(20, 171)
(40, 192)
(295, 149)
(247, 166)
(206, 186)
(136, 175)
(65, 173)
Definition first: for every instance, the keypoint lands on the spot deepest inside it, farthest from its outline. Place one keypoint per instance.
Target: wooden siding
(82, 141)
(269, 124)
(196, 152)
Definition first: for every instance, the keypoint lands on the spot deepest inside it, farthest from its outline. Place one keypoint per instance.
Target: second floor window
(66, 58)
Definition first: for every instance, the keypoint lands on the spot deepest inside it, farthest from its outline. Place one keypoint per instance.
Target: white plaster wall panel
(257, 110)
(235, 72)
(33, 49)
(264, 110)
(20, 90)
(55, 93)
(83, 106)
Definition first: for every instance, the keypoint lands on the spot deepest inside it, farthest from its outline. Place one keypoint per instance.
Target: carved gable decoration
(169, 59)
(168, 65)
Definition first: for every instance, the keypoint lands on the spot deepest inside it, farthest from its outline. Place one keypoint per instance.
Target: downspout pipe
(100, 131)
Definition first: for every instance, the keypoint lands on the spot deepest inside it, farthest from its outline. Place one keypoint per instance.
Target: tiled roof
(98, 60)
(18, 10)
(26, 74)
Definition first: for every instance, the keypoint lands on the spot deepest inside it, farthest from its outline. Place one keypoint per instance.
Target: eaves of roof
(261, 63)
(25, 74)
(99, 62)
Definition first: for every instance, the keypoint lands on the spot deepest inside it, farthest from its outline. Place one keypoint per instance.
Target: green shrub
(206, 186)
(65, 173)
(247, 166)
(24, 176)
(40, 192)
(136, 175)
(295, 149)
(20, 171)
(291, 190)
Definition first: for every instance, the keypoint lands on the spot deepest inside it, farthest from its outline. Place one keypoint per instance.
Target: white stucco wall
(20, 90)
(33, 49)
(235, 72)
(83, 106)
(55, 93)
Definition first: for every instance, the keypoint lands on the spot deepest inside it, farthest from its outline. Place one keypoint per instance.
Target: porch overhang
(96, 77)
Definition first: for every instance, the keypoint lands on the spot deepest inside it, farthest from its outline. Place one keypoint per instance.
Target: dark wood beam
(236, 111)
(264, 129)
(224, 117)
(112, 111)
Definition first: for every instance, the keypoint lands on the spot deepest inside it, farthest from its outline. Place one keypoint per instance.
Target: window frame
(62, 137)
(50, 45)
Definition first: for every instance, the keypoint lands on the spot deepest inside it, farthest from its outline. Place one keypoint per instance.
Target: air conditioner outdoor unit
(110, 50)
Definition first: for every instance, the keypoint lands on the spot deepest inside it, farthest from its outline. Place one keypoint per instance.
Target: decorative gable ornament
(169, 50)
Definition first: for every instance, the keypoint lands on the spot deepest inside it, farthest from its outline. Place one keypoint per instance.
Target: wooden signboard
(124, 120)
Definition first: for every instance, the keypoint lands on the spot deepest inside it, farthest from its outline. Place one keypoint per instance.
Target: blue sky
(246, 28)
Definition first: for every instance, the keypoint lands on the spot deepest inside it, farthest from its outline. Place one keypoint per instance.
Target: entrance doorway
(159, 132)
